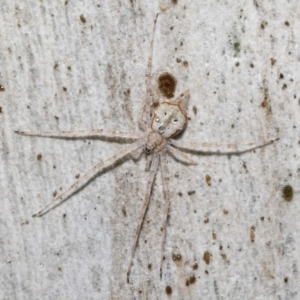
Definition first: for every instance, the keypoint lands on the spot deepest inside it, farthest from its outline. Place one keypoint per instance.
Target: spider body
(159, 128)
(168, 119)
(154, 142)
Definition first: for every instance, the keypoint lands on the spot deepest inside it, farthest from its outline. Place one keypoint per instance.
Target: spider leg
(149, 96)
(177, 154)
(152, 172)
(166, 179)
(148, 163)
(87, 176)
(82, 134)
(210, 148)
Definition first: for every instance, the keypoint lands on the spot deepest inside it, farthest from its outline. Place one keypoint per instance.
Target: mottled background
(234, 225)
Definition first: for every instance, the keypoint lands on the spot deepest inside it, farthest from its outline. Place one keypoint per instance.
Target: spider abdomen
(170, 117)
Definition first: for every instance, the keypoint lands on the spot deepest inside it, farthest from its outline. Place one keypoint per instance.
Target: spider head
(170, 118)
(154, 143)
(148, 148)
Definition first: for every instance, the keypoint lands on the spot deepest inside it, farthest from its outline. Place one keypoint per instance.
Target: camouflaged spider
(159, 125)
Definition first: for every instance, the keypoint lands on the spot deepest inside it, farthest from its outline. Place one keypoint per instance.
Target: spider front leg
(88, 176)
(152, 173)
(166, 179)
(211, 148)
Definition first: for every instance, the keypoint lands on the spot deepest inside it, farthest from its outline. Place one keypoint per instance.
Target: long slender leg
(83, 133)
(87, 176)
(177, 154)
(148, 101)
(152, 172)
(166, 179)
(210, 148)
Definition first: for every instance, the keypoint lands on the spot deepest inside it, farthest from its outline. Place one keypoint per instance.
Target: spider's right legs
(153, 170)
(82, 134)
(146, 107)
(87, 176)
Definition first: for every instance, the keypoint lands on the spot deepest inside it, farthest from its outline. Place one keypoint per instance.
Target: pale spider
(159, 125)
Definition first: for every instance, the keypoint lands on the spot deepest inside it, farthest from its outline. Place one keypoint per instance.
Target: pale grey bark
(81, 65)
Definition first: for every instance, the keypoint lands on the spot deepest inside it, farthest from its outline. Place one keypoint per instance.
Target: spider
(159, 124)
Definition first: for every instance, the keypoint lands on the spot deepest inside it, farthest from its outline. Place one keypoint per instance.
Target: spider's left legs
(166, 179)
(153, 170)
(146, 107)
(211, 148)
(177, 154)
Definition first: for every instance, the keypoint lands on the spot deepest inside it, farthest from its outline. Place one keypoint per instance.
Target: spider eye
(157, 119)
(148, 148)
(165, 113)
(174, 121)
